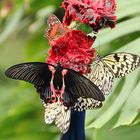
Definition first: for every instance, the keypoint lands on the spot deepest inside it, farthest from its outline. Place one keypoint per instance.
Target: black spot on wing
(124, 57)
(117, 58)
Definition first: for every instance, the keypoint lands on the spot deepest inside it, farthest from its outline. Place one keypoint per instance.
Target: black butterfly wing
(69, 98)
(36, 73)
(80, 86)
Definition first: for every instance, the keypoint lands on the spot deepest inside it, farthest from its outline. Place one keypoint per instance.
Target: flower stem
(77, 127)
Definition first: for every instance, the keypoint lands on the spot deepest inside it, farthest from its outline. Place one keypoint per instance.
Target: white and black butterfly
(114, 65)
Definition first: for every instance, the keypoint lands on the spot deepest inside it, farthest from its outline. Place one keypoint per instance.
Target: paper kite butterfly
(114, 65)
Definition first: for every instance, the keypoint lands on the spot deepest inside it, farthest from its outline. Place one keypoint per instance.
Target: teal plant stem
(77, 127)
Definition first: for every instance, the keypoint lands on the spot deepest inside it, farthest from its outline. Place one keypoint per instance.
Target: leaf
(130, 109)
(120, 133)
(12, 24)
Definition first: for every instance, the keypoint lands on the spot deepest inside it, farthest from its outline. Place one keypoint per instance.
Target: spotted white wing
(58, 113)
(102, 77)
(86, 103)
(112, 66)
(121, 63)
(51, 110)
(62, 120)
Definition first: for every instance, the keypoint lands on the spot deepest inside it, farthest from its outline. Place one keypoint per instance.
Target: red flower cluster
(96, 13)
(73, 50)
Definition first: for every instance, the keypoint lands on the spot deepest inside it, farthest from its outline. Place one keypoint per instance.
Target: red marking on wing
(54, 30)
(52, 69)
(64, 72)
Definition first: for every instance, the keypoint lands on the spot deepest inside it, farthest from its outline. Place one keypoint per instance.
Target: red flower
(73, 50)
(96, 13)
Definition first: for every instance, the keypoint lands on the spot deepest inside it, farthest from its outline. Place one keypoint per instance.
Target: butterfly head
(59, 66)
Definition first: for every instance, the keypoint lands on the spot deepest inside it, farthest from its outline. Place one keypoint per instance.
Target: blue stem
(77, 127)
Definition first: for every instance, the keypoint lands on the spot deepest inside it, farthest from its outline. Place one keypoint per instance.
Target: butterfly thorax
(57, 81)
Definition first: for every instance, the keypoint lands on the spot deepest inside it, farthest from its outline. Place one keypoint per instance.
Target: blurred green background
(22, 26)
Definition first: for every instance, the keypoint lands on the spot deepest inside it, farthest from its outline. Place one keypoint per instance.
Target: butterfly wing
(121, 63)
(68, 98)
(55, 28)
(101, 76)
(59, 113)
(36, 73)
(86, 103)
(80, 86)
(112, 66)
(63, 119)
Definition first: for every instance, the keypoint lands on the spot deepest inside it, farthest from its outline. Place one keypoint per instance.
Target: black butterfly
(55, 82)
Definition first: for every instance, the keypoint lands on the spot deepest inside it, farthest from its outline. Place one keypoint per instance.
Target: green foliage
(21, 40)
